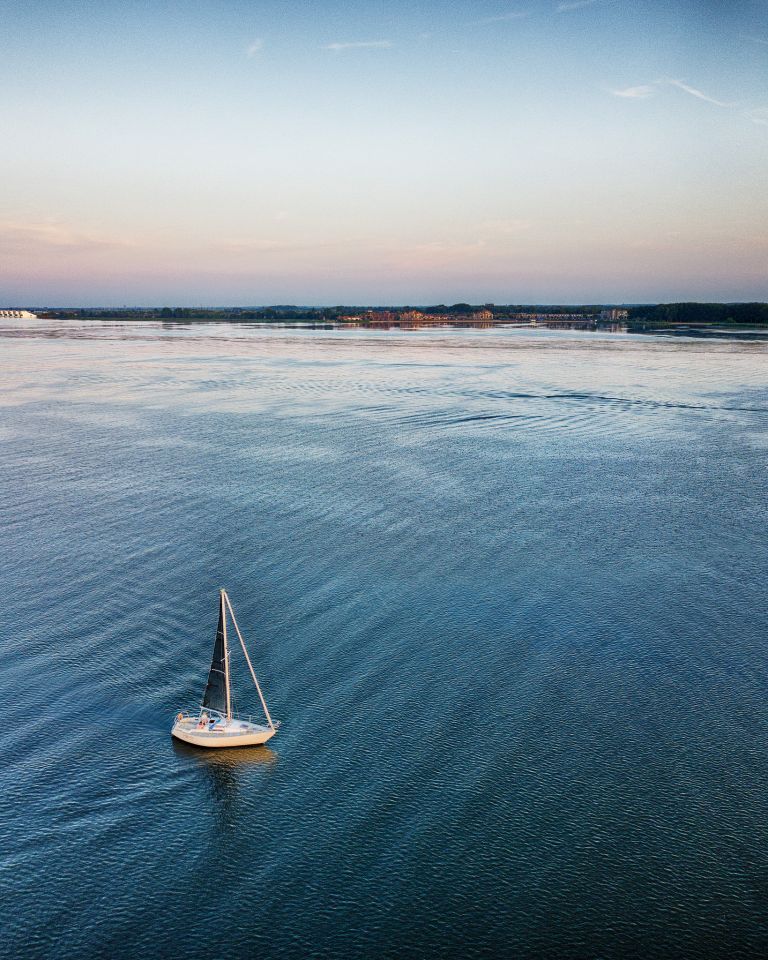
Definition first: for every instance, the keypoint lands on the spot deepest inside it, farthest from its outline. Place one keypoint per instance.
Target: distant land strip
(636, 317)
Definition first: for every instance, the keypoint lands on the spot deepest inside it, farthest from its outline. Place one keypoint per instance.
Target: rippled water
(505, 590)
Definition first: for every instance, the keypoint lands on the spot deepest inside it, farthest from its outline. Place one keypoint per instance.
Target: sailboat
(215, 724)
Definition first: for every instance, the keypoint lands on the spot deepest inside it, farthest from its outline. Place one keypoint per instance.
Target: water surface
(505, 590)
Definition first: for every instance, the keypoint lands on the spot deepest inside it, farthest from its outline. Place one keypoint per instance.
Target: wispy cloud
(641, 92)
(359, 45)
(644, 90)
(440, 251)
(502, 17)
(255, 47)
(17, 237)
(757, 115)
(509, 228)
(698, 93)
(569, 5)
(250, 245)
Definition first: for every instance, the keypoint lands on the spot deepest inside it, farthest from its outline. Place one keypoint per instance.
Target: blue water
(506, 591)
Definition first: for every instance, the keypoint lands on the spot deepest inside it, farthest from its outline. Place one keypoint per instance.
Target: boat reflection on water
(238, 758)
(231, 774)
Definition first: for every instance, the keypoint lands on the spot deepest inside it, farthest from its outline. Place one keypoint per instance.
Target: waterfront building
(17, 315)
(412, 317)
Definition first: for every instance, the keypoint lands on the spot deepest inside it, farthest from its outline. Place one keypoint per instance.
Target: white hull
(236, 733)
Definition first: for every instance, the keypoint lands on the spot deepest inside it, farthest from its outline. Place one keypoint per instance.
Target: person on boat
(203, 721)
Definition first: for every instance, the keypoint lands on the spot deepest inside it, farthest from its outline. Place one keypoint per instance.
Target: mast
(226, 653)
(248, 661)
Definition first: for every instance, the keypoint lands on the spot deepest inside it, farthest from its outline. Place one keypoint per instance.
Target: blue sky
(323, 152)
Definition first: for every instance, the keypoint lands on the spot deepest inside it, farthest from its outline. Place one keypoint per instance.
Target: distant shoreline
(697, 319)
(698, 331)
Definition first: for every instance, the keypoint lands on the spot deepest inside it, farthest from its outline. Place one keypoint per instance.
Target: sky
(224, 152)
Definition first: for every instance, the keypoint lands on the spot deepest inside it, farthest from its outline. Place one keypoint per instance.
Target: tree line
(738, 314)
(640, 316)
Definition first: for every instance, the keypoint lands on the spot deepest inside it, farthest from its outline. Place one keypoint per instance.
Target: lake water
(506, 590)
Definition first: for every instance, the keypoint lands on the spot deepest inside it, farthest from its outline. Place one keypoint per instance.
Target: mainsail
(215, 696)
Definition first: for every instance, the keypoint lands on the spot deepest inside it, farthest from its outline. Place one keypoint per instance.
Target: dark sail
(215, 696)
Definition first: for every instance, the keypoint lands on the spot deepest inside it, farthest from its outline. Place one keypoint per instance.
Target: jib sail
(216, 696)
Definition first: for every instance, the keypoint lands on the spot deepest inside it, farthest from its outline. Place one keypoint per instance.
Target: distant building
(614, 315)
(377, 318)
(484, 315)
(412, 317)
(17, 315)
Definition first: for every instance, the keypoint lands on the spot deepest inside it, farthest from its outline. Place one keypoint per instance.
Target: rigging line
(232, 694)
(250, 665)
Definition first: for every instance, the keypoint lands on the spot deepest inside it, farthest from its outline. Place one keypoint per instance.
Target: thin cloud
(502, 17)
(241, 245)
(640, 92)
(758, 115)
(16, 237)
(442, 250)
(644, 90)
(359, 45)
(569, 5)
(509, 228)
(698, 93)
(255, 47)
